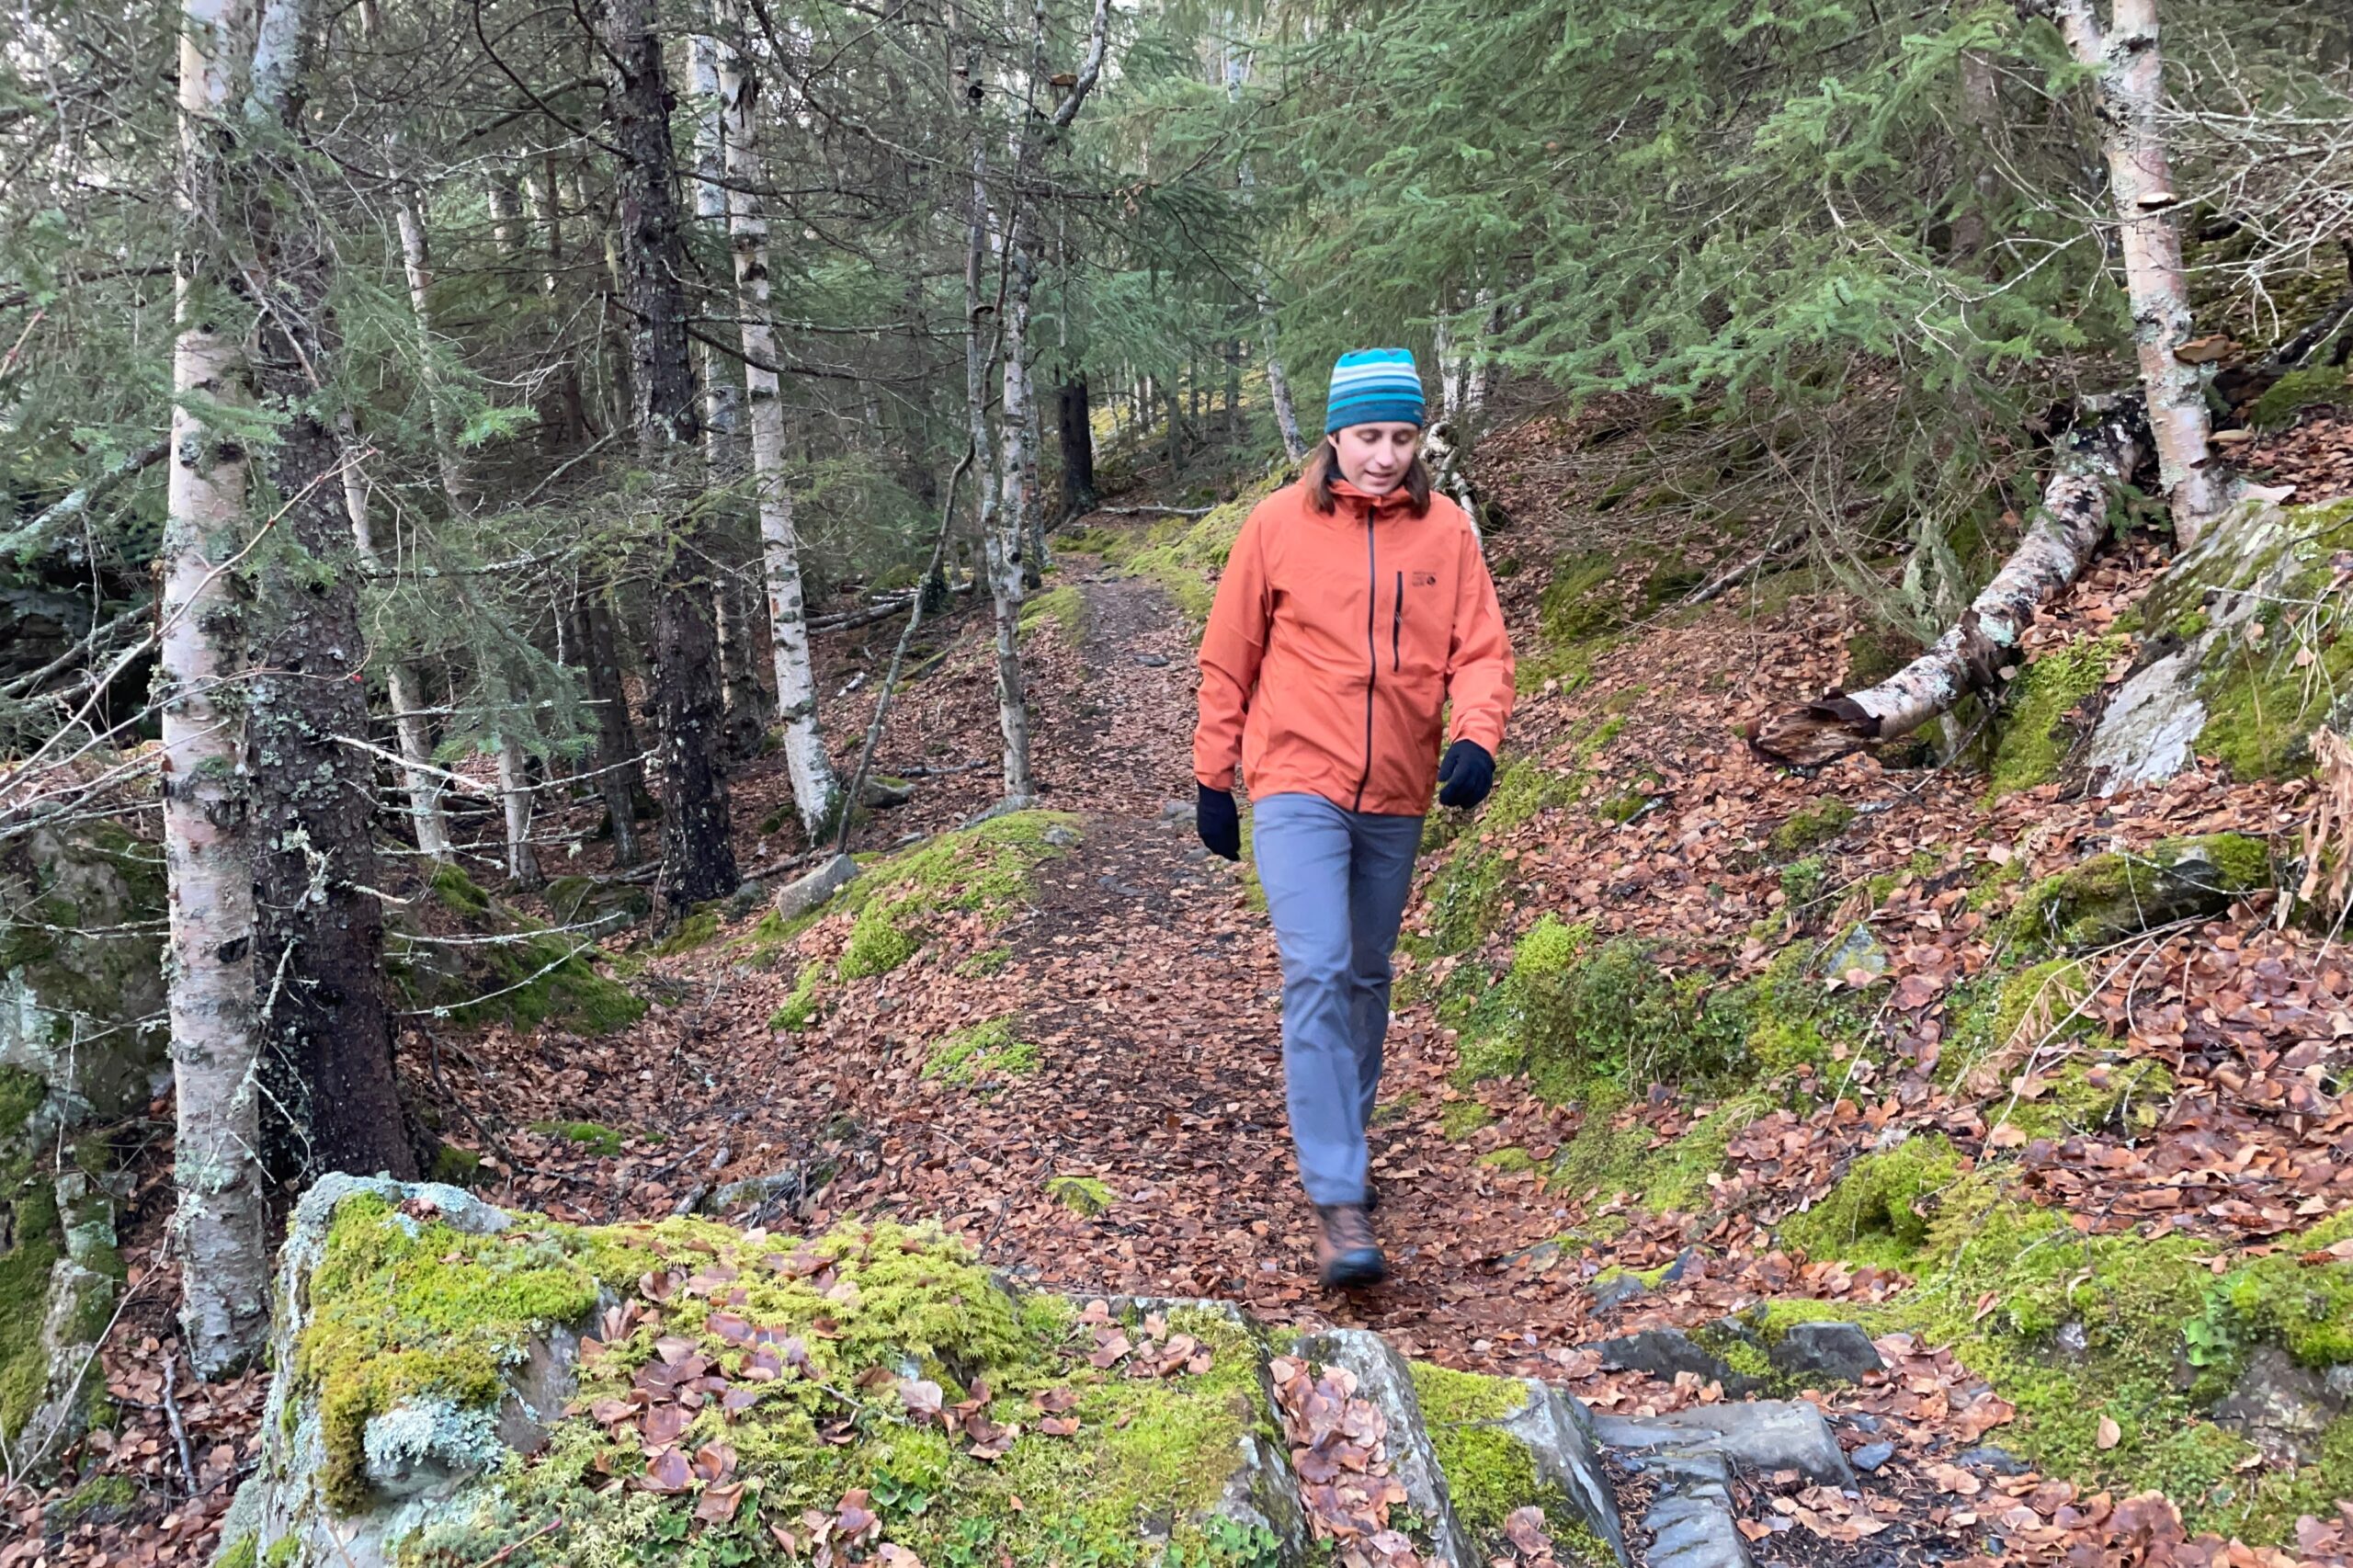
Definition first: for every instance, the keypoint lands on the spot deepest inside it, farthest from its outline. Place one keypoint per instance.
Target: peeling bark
(207, 803)
(2130, 89)
(1969, 657)
(815, 790)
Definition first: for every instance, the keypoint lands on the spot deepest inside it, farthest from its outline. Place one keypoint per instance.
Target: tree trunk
(319, 946)
(698, 860)
(1980, 114)
(221, 1218)
(619, 777)
(748, 708)
(2130, 86)
(2064, 531)
(1279, 389)
(1077, 430)
(814, 790)
(515, 795)
(1004, 545)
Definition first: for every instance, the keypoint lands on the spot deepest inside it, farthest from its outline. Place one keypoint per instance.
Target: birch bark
(1968, 657)
(815, 790)
(216, 1160)
(2131, 89)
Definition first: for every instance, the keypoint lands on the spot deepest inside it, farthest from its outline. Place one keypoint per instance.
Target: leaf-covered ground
(1832, 1065)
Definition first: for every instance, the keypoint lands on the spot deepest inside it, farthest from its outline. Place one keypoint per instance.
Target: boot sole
(1353, 1271)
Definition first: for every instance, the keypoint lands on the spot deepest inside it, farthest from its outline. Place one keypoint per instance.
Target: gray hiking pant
(1336, 882)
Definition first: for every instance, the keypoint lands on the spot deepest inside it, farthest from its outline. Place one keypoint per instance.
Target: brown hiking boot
(1346, 1255)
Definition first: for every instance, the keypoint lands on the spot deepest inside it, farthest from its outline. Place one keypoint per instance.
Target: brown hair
(1323, 466)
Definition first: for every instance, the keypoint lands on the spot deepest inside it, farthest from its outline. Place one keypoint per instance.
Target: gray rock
(1382, 1378)
(882, 792)
(1763, 1433)
(1183, 811)
(2072, 1340)
(754, 1192)
(1859, 949)
(1993, 1460)
(1617, 1290)
(1692, 1520)
(800, 896)
(1005, 808)
(1557, 1434)
(1871, 1456)
(1153, 661)
(1685, 1261)
(1662, 1353)
(1825, 1352)
(1060, 835)
(2281, 1408)
(749, 895)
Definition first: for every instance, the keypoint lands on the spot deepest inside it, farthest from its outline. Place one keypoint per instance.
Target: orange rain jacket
(1336, 645)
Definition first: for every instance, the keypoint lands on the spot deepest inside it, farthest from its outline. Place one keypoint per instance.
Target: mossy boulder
(454, 1384)
(2252, 653)
(2114, 896)
(595, 906)
(499, 965)
(82, 1044)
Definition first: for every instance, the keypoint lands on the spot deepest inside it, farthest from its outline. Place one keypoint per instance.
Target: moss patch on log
(2035, 737)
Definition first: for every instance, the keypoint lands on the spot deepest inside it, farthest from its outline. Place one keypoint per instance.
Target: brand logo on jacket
(1426, 579)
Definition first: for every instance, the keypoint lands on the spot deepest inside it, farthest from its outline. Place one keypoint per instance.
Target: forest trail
(1150, 990)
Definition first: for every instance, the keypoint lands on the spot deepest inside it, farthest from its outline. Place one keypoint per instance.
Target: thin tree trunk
(619, 778)
(222, 1216)
(815, 790)
(1004, 543)
(319, 945)
(698, 857)
(1279, 388)
(2068, 526)
(1474, 369)
(1980, 114)
(2131, 87)
(515, 795)
(1077, 430)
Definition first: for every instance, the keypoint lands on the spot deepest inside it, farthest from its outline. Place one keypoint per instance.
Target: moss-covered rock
(1063, 608)
(2265, 659)
(502, 966)
(986, 868)
(1810, 827)
(432, 1405)
(2034, 737)
(2114, 896)
(985, 1051)
(597, 907)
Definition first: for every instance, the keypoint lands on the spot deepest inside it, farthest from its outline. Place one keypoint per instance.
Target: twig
(898, 658)
(1155, 511)
(512, 1547)
(172, 1413)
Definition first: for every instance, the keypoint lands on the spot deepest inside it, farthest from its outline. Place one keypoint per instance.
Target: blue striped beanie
(1373, 386)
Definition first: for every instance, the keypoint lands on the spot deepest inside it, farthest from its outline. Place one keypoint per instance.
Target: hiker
(1355, 609)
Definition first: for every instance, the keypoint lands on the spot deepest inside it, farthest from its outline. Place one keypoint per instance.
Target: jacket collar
(1394, 499)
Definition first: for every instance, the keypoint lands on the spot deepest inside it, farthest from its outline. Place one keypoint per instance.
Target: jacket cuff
(1220, 779)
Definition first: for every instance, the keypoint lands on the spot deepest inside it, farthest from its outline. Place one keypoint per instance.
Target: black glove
(1468, 773)
(1218, 823)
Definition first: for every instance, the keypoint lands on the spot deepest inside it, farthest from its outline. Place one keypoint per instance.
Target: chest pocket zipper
(1397, 624)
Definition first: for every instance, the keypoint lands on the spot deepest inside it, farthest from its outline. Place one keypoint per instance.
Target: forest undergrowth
(1683, 1041)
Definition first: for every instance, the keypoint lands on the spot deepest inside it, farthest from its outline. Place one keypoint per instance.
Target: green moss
(1879, 1211)
(2035, 739)
(1064, 608)
(1467, 893)
(403, 1310)
(1584, 601)
(454, 1166)
(1589, 1011)
(1810, 827)
(986, 1051)
(1667, 1176)
(1149, 1458)
(1512, 1160)
(112, 1493)
(1459, 1118)
(1804, 880)
(1182, 557)
(1488, 1472)
(988, 961)
(984, 868)
(801, 1008)
(38, 1241)
(2261, 708)
(2297, 391)
(531, 975)
(457, 891)
(2111, 897)
(594, 1137)
(243, 1552)
(693, 932)
(1085, 1196)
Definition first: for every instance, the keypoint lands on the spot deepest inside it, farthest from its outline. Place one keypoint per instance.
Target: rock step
(1466, 1452)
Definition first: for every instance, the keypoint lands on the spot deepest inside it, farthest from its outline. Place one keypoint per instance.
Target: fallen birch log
(2100, 452)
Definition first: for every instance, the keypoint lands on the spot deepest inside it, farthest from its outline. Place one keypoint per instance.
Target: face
(1374, 457)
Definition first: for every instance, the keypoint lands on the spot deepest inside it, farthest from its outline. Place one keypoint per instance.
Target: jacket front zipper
(1397, 625)
(1371, 648)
